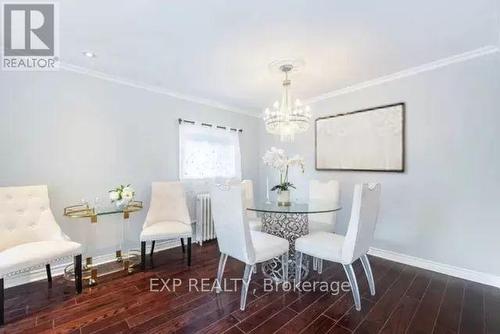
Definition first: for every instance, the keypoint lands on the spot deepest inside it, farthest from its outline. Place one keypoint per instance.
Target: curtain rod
(209, 125)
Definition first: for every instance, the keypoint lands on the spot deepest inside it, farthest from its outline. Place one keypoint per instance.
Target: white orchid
(277, 159)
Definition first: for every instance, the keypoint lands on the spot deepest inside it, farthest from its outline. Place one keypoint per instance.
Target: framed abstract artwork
(364, 140)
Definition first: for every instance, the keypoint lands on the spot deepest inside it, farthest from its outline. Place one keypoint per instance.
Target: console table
(127, 259)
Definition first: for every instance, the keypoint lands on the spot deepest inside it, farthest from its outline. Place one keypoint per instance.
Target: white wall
(83, 136)
(445, 207)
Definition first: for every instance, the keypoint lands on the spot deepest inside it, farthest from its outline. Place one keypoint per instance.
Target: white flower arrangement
(277, 159)
(122, 195)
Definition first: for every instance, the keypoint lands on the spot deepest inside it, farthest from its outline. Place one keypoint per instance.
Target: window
(208, 153)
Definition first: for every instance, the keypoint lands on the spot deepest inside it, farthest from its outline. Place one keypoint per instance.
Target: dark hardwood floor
(408, 300)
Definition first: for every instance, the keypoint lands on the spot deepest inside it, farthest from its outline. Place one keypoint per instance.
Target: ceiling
(220, 50)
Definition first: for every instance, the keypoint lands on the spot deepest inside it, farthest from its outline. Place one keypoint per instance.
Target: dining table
(289, 222)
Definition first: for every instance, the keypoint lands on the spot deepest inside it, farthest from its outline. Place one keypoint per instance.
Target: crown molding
(480, 52)
(152, 88)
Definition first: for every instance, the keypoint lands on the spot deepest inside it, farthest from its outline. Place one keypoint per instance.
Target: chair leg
(2, 311)
(189, 251)
(247, 276)
(182, 245)
(143, 255)
(351, 276)
(319, 265)
(298, 267)
(369, 274)
(220, 272)
(284, 266)
(49, 274)
(152, 248)
(77, 262)
(315, 264)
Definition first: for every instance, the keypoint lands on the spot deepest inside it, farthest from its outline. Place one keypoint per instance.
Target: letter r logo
(28, 29)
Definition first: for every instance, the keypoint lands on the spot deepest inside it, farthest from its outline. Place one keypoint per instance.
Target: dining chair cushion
(267, 246)
(165, 230)
(33, 254)
(323, 245)
(255, 224)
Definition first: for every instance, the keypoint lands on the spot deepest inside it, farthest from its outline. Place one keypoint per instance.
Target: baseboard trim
(58, 267)
(471, 275)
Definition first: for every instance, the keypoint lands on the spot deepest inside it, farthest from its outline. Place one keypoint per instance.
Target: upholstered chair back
(247, 186)
(25, 216)
(321, 194)
(359, 236)
(233, 233)
(168, 203)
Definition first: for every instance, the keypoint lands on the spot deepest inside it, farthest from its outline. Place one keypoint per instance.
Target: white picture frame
(363, 140)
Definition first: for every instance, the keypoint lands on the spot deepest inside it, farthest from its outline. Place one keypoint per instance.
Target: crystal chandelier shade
(287, 118)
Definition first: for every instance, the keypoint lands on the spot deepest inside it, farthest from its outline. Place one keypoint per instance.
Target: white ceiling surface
(220, 50)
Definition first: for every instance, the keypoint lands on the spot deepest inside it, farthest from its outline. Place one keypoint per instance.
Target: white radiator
(205, 229)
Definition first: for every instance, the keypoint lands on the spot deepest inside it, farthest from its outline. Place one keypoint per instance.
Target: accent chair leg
(284, 266)
(319, 265)
(189, 251)
(2, 310)
(220, 272)
(182, 245)
(49, 274)
(143, 255)
(152, 248)
(315, 264)
(351, 276)
(369, 275)
(78, 273)
(247, 276)
(298, 267)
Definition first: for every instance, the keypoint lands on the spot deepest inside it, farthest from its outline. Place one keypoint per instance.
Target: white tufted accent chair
(253, 221)
(167, 218)
(235, 238)
(351, 247)
(30, 236)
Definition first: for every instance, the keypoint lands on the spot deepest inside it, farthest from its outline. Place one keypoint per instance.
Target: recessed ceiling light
(89, 54)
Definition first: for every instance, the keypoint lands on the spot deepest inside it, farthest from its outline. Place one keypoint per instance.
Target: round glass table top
(304, 208)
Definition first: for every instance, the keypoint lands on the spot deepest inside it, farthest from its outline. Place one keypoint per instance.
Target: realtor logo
(30, 35)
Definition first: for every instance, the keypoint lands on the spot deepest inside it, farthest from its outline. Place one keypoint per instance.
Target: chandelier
(287, 118)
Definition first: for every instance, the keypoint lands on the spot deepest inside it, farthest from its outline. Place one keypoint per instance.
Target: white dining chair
(354, 245)
(253, 221)
(235, 238)
(30, 236)
(323, 194)
(168, 218)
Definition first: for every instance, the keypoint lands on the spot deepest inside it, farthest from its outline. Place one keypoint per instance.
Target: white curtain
(206, 153)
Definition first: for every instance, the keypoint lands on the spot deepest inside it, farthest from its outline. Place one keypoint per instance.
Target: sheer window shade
(207, 153)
